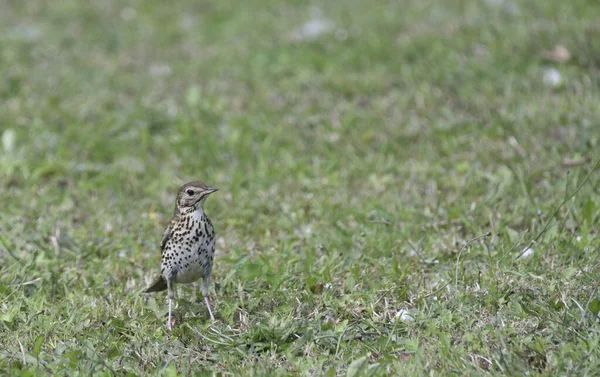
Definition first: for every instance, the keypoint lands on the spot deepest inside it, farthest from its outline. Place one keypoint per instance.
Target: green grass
(356, 171)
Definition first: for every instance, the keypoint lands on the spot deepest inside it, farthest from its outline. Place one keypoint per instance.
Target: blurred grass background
(358, 146)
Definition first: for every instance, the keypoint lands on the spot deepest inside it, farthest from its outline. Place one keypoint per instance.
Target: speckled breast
(189, 253)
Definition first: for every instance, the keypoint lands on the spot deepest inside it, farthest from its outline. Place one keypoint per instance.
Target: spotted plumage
(188, 244)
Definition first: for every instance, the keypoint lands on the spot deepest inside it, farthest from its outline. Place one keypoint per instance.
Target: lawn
(406, 188)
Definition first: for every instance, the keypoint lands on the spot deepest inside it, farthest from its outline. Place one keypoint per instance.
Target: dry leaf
(559, 54)
(574, 161)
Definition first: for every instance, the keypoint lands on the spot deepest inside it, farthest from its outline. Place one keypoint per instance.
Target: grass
(360, 172)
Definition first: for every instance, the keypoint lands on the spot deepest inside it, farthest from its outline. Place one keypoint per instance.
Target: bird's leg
(206, 294)
(171, 296)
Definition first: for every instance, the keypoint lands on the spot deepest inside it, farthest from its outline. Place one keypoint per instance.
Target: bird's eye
(190, 192)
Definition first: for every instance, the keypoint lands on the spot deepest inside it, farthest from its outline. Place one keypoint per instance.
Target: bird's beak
(210, 190)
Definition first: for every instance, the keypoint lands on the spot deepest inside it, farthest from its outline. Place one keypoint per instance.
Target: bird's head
(192, 195)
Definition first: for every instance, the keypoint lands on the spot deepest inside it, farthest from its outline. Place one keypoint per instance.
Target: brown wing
(167, 233)
(159, 284)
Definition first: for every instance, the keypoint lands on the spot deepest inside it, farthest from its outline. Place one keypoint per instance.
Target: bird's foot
(206, 300)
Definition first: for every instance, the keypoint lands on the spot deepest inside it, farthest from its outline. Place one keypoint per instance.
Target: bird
(187, 245)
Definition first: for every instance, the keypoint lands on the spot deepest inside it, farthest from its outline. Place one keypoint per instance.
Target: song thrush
(188, 244)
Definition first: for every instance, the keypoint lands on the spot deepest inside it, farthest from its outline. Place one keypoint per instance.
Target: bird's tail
(160, 284)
